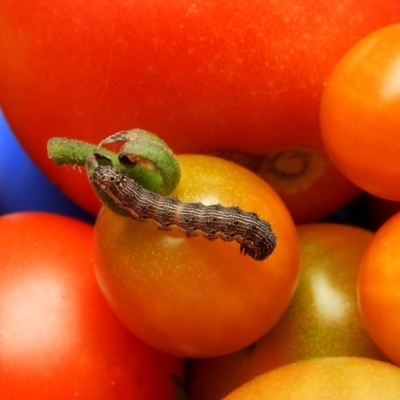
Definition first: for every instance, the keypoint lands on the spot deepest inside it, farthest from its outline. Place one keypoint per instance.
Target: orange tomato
(378, 286)
(360, 118)
(344, 378)
(191, 296)
(308, 183)
(323, 319)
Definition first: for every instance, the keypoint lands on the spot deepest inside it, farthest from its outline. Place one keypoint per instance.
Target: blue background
(23, 187)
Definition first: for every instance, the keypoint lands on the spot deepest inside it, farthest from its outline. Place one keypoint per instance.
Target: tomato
(191, 296)
(59, 339)
(246, 75)
(308, 183)
(347, 378)
(360, 117)
(323, 318)
(379, 280)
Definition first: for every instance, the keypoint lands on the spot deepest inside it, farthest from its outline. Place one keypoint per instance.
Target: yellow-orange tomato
(191, 296)
(323, 319)
(360, 119)
(378, 286)
(344, 378)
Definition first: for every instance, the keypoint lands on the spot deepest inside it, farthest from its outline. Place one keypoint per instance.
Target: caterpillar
(254, 235)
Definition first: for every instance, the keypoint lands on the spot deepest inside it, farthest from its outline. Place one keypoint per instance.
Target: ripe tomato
(379, 280)
(59, 339)
(190, 296)
(360, 116)
(307, 182)
(346, 378)
(323, 319)
(246, 75)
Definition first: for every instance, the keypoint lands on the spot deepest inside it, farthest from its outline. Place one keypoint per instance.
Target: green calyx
(143, 157)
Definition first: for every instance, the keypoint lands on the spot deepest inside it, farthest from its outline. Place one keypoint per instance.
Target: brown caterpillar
(254, 235)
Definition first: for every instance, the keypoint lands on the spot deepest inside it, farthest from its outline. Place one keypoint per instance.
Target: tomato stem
(63, 151)
(150, 151)
(143, 157)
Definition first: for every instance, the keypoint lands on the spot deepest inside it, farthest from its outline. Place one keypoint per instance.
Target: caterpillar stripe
(254, 235)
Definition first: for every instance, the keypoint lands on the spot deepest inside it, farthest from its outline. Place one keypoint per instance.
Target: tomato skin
(59, 337)
(379, 280)
(360, 117)
(191, 296)
(349, 378)
(243, 75)
(322, 320)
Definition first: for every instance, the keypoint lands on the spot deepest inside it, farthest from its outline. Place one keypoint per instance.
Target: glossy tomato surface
(59, 339)
(323, 319)
(192, 296)
(235, 74)
(345, 378)
(379, 280)
(360, 119)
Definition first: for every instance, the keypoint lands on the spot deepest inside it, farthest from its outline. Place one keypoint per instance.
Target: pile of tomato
(290, 110)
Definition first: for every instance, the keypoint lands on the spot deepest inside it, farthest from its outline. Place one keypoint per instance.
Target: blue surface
(23, 187)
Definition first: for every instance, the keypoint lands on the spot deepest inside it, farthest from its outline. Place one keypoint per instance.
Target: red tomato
(191, 296)
(360, 116)
(235, 74)
(345, 378)
(379, 295)
(59, 339)
(323, 319)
